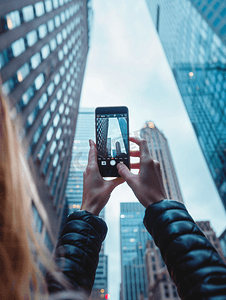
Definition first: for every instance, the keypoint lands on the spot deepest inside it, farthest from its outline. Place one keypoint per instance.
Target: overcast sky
(126, 66)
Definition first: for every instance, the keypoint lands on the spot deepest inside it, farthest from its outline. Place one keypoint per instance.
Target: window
(57, 21)
(67, 110)
(61, 2)
(13, 20)
(27, 96)
(62, 71)
(23, 72)
(39, 81)
(53, 147)
(204, 8)
(216, 22)
(216, 5)
(60, 55)
(42, 101)
(53, 44)
(50, 89)
(65, 48)
(46, 118)
(28, 13)
(48, 5)
(49, 133)
(223, 30)
(45, 51)
(53, 105)
(59, 94)
(64, 33)
(39, 9)
(57, 79)
(35, 60)
(56, 120)
(37, 135)
(18, 47)
(210, 14)
(42, 151)
(58, 134)
(50, 178)
(59, 38)
(42, 31)
(223, 13)
(50, 25)
(32, 38)
(62, 17)
(61, 108)
(55, 3)
(56, 158)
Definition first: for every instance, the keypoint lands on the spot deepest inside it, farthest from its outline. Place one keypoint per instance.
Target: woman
(71, 274)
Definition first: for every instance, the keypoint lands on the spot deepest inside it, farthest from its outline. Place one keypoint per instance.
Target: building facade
(193, 35)
(133, 238)
(222, 239)
(159, 149)
(160, 284)
(43, 51)
(85, 130)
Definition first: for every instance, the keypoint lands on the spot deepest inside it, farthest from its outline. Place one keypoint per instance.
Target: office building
(133, 238)
(43, 51)
(160, 284)
(123, 127)
(159, 149)
(193, 35)
(85, 130)
(210, 234)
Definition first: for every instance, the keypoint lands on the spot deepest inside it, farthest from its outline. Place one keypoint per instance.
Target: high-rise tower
(43, 50)
(159, 149)
(85, 130)
(193, 35)
(133, 238)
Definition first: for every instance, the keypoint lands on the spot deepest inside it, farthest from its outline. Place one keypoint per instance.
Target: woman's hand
(96, 190)
(148, 184)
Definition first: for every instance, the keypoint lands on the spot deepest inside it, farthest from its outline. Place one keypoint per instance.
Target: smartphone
(112, 139)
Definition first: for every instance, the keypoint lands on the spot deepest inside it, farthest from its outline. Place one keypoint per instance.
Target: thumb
(125, 173)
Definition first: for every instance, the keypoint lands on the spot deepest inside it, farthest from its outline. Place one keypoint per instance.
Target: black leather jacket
(193, 263)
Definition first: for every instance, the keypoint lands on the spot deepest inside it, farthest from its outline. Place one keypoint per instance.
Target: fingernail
(90, 143)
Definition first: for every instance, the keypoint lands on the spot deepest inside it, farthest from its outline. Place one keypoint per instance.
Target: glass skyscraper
(85, 130)
(193, 35)
(133, 238)
(43, 51)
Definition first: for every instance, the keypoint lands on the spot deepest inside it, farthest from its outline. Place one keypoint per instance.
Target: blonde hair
(19, 270)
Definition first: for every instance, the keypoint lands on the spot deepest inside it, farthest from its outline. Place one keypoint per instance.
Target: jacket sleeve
(193, 263)
(77, 251)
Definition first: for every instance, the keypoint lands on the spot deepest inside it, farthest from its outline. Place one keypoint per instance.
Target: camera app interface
(112, 140)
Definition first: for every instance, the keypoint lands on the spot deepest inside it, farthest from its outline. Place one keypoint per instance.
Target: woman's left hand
(96, 190)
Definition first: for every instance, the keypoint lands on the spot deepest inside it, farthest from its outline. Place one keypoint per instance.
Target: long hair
(19, 270)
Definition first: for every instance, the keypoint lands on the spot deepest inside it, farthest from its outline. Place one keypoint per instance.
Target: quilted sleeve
(193, 263)
(77, 251)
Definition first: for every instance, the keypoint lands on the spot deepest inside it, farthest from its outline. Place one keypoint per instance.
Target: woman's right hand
(148, 184)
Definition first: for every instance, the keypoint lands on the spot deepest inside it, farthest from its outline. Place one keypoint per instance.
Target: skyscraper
(85, 130)
(159, 149)
(133, 238)
(193, 35)
(43, 50)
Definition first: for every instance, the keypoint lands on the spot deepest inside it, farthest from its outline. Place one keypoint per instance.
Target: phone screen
(112, 139)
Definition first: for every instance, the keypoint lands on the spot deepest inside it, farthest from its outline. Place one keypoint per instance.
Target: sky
(126, 65)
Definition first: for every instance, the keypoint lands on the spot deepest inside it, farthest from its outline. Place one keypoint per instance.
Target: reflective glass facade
(85, 130)
(43, 51)
(193, 36)
(133, 238)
